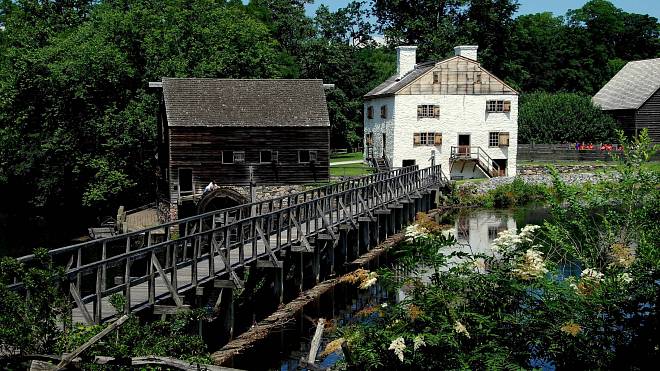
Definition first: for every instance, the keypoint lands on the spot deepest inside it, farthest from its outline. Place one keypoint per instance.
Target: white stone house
(452, 112)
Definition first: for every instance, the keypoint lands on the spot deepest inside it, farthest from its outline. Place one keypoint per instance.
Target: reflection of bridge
(333, 224)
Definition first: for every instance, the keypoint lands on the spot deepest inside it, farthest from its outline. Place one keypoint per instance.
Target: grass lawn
(346, 157)
(350, 170)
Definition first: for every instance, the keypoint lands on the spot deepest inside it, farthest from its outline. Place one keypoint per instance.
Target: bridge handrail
(141, 251)
(389, 187)
(365, 180)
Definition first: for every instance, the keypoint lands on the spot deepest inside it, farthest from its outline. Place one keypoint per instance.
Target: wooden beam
(76, 297)
(302, 238)
(266, 242)
(170, 309)
(270, 264)
(170, 288)
(65, 360)
(316, 341)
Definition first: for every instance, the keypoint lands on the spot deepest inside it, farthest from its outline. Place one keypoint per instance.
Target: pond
(474, 230)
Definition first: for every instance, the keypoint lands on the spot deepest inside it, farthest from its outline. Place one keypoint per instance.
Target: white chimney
(406, 58)
(467, 51)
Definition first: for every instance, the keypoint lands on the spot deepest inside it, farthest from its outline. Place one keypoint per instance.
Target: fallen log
(283, 315)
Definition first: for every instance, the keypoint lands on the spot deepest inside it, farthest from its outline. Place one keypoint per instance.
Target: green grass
(346, 157)
(350, 170)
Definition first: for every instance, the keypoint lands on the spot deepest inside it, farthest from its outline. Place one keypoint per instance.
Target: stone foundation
(562, 169)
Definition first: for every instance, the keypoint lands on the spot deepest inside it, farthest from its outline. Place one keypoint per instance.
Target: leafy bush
(578, 293)
(563, 118)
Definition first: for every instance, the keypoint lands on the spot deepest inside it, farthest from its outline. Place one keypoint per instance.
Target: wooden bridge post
(363, 235)
(229, 286)
(316, 260)
(341, 253)
(277, 268)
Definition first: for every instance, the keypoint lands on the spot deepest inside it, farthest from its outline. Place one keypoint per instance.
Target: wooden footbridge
(329, 226)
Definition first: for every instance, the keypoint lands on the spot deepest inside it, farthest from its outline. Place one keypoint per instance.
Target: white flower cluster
(460, 329)
(625, 277)
(418, 342)
(416, 231)
(505, 241)
(508, 239)
(372, 278)
(398, 345)
(527, 232)
(531, 265)
(591, 275)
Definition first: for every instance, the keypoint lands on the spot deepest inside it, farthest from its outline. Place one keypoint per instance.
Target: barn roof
(236, 102)
(631, 87)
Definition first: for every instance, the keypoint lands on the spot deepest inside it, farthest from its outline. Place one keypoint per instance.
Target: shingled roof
(234, 102)
(631, 87)
(394, 84)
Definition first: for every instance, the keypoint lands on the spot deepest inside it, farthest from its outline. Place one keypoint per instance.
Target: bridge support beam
(277, 269)
(226, 296)
(363, 235)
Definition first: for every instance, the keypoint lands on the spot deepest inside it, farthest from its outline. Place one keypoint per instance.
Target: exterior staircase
(476, 155)
(381, 164)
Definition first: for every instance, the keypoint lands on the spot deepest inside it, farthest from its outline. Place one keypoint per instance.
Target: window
(437, 77)
(494, 231)
(305, 156)
(185, 181)
(227, 157)
(498, 139)
(383, 111)
(427, 139)
(406, 163)
(498, 106)
(370, 112)
(266, 156)
(428, 110)
(493, 139)
(239, 157)
(369, 139)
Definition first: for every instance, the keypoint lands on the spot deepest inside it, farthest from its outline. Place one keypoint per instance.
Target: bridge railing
(236, 239)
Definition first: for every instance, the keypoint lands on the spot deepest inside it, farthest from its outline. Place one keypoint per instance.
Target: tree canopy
(78, 123)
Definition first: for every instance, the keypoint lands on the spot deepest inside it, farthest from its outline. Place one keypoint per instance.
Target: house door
(384, 144)
(501, 164)
(464, 144)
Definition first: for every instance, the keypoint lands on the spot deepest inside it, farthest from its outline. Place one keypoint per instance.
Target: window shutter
(420, 111)
(507, 106)
(504, 139)
(312, 156)
(437, 139)
(274, 157)
(417, 140)
(436, 111)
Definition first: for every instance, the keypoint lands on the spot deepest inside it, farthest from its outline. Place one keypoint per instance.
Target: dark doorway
(185, 181)
(464, 144)
(219, 199)
(501, 163)
(407, 163)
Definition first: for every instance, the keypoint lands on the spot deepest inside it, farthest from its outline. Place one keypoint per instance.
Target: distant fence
(567, 152)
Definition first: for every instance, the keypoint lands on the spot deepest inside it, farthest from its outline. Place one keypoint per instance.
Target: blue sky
(558, 7)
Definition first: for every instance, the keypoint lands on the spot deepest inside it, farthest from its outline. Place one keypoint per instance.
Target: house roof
(631, 87)
(235, 102)
(394, 84)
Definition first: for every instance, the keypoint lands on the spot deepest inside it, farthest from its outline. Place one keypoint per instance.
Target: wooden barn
(632, 97)
(240, 133)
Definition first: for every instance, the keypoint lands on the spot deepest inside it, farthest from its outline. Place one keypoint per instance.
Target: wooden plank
(170, 309)
(316, 341)
(163, 276)
(65, 360)
(76, 297)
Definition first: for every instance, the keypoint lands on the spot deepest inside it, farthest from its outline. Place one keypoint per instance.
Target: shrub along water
(516, 306)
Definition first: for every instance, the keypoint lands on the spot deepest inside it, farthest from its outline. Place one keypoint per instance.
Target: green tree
(562, 118)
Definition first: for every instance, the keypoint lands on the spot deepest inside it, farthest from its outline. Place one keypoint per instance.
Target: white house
(452, 112)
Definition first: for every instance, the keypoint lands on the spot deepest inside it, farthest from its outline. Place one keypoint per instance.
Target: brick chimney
(467, 51)
(406, 58)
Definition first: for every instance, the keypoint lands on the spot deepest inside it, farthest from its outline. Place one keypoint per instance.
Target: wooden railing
(222, 240)
(485, 162)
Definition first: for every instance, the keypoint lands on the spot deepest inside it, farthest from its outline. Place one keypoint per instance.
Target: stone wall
(528, 169)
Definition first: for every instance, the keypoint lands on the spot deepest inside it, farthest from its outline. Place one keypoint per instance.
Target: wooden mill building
(239, 133)
(632, 97)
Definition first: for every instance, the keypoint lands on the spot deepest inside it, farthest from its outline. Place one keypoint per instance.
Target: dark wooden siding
(199, 148)
(625, 119)
(648, 116)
